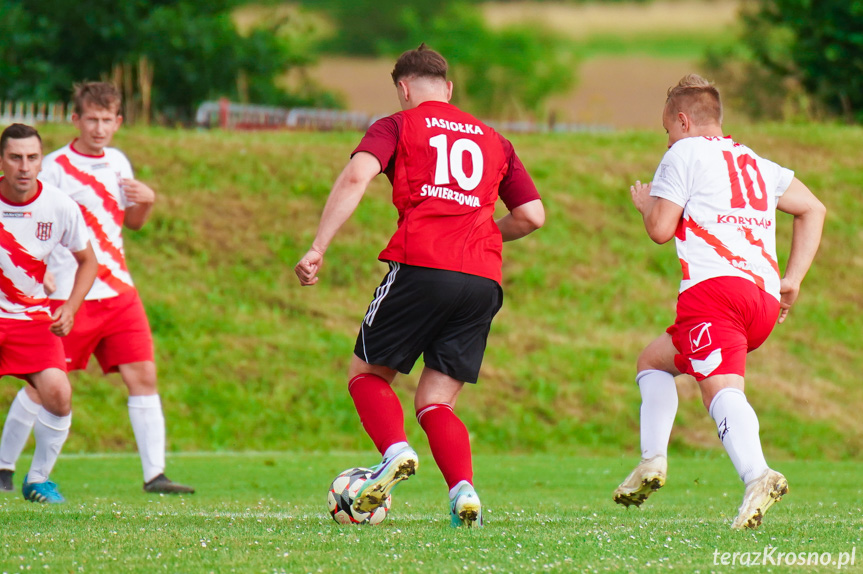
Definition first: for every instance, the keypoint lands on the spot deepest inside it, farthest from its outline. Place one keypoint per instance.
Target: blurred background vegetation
(777, 59)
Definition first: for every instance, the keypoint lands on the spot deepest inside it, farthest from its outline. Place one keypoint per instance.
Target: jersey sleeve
(783, 177)
(669, 181)
(75, 235)
(516, 187)
(381, 140)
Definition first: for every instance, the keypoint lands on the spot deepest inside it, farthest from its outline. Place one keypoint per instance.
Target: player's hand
(788, 292)
(308, 267)
(48, 283)
(640, 193)
(137, 192)
(64, 320)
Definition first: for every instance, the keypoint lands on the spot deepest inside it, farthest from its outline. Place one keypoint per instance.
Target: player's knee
(645, 362)
(429, 395)
(140, 378)
(56, 395)
(142, 386)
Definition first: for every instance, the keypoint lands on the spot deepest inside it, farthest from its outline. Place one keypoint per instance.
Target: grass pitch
(267, 513)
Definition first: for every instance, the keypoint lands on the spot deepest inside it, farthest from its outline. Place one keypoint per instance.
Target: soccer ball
(343, 491)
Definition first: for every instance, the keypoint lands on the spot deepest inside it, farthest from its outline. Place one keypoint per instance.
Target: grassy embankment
(249, 361)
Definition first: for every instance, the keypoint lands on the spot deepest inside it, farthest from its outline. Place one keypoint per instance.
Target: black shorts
(443, 315)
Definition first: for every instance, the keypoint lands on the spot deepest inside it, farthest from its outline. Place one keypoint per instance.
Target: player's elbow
(813, 214)
(819, 210)
(534, 222)
(134, 219)
(531, 216)
(660, 235)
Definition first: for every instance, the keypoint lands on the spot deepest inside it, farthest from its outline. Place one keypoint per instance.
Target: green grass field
(267, 513)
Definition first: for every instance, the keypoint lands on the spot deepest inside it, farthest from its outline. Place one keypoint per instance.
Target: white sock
(394, 448)
(454, 490)
(16, 430)
(737, 426)
(658, 409)
(50, 431)
(148, 424)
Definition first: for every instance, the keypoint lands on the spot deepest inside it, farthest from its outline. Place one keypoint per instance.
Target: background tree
(826, 48)
(24, 69)
(797, 57)
(372, 27)
(509, 73)
(194, 49)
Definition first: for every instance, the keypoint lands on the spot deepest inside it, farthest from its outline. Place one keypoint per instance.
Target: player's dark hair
(697, 98)
(100, 94)
(18, 132)
(420, 63)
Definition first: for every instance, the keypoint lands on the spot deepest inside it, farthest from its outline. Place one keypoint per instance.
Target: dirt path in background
(624, 19)
(622, 92)
(619, 91)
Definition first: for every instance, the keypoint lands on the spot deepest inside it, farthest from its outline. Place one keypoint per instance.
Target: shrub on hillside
(509, 73)
(796, 58)
(186, 51)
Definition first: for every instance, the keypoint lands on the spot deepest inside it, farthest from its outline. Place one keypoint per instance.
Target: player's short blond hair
(103, 95)
(697, 98)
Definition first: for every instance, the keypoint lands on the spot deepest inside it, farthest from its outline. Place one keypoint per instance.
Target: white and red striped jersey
(29, 232)
(728, 195)
(94, 183)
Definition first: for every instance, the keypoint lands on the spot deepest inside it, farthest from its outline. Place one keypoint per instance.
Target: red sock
(449, 442)
(379, 409)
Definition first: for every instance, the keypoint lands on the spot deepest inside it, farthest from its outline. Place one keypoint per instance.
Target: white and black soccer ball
(343, 491)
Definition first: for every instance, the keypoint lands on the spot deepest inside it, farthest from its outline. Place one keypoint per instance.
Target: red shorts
(114, 329)
(28, 347)
(718, 322)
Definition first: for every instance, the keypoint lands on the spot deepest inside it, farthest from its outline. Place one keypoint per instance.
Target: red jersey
(447, 169)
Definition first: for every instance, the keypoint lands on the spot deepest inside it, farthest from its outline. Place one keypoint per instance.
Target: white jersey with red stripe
(94, 183)
(29, 233)
(728, 195)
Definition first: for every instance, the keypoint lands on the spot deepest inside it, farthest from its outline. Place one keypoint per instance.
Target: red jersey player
(112, 323)
(443, 286)
(35, 219)
(718, 200)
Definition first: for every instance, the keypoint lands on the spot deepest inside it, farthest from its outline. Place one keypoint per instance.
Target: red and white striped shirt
(29, 232)
(728, 195)
(94, 183)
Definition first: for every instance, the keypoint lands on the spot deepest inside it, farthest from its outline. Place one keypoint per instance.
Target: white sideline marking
(216, 454)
